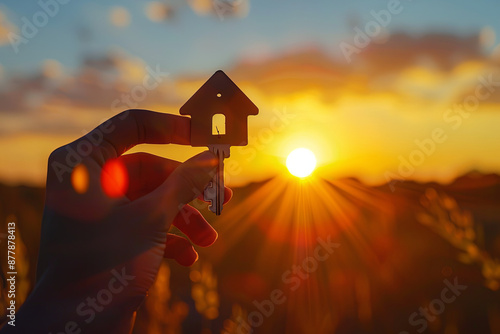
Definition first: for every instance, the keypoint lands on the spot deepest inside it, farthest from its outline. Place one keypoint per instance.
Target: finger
(228, 194)
(187, 182)
(183, 185)
(146, 172)
(190, 222)
(132, 127)
(180, 249)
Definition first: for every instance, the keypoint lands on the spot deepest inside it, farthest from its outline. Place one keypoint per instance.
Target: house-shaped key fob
(219, 113)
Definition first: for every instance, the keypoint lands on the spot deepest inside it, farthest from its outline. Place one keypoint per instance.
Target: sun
(301, 162)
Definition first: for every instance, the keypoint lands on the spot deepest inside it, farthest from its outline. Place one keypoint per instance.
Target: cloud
(158, 11)
(444, 51)
(6, 27)
(119, 16)
(370, 108)
(431, 67)
(428, 68)
(487, 37)
(220, 8)
(299, 70)
(201, 7)
(128, 68)
(94, 87)
(51, 68)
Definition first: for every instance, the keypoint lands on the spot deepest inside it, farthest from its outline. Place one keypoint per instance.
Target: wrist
(102, 303)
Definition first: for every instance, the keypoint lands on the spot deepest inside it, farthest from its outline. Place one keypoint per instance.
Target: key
(214, 192)
(219, 104)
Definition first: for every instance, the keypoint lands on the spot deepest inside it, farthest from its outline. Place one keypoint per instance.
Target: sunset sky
(394, 108)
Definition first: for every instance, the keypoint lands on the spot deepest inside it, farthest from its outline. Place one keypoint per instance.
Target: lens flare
(80, 179)
(114, 178)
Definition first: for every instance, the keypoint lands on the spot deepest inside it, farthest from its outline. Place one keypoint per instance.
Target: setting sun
(301, 162)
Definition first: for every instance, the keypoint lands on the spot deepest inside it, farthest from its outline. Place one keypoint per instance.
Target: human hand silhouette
(91, 241)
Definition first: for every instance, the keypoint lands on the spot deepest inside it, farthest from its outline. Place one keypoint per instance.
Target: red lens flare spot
(114, 178)
(80, 179)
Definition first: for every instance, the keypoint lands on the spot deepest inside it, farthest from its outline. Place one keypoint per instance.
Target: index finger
(137, 126)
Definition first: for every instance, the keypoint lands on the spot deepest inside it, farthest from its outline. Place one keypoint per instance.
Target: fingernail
(208, 239)
(188, 257)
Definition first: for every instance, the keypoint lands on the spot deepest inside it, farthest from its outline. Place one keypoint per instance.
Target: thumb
(190, 179)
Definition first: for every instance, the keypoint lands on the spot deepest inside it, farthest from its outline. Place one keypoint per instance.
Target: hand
(109, 230)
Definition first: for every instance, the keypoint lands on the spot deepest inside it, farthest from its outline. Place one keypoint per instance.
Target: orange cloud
(358, 118)
(158, 11)
(119, 16)
(6, 27)
(220, 8)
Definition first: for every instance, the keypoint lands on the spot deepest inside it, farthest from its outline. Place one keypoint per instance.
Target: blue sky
(191, 43)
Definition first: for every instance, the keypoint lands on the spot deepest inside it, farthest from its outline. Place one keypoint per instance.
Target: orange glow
(114, 178)
(291, 217)
(80, 179)
(298, 211)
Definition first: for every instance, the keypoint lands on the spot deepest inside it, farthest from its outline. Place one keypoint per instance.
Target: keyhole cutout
(218, 124)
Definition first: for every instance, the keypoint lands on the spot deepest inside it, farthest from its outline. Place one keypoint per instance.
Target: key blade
(219, 184)
(214, 192)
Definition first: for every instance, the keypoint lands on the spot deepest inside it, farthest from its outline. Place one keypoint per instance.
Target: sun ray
(283, 219)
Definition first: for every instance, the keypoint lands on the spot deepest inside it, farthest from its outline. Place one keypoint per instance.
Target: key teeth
(210, 193)
(209, 196)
